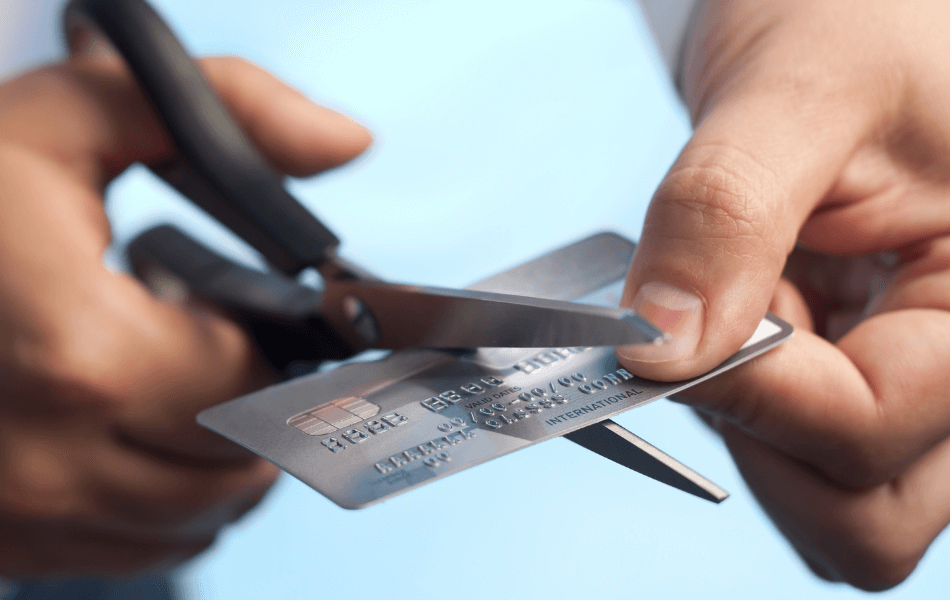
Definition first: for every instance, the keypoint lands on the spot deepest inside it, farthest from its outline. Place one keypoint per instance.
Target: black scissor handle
(219, 169)
(280, 314)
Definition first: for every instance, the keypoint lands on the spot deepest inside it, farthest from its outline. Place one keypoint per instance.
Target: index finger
(97, 122)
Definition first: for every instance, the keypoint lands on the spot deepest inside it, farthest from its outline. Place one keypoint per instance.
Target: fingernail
(678, 313)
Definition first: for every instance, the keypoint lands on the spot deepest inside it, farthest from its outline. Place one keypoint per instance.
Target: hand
(821, 150)
(102, 467)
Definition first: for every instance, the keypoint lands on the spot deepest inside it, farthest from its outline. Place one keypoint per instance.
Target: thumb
(725, 218)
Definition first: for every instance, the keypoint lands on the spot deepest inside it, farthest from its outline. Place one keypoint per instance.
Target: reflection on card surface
(365, 432)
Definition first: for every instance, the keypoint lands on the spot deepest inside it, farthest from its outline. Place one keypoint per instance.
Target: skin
(816, 185)
(102, 467)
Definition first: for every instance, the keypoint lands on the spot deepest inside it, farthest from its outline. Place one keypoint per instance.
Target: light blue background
(503, 128)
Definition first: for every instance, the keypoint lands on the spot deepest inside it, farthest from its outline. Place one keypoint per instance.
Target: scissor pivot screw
(361, 319)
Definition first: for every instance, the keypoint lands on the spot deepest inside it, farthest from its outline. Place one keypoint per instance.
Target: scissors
(219, 170)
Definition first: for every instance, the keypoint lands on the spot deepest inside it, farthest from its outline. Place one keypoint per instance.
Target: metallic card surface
(368, 431)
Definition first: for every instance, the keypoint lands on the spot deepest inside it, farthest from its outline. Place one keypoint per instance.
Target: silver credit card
(367, 431)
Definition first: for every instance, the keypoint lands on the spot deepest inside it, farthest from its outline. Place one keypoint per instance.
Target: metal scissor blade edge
(414, 316)
(612, 441)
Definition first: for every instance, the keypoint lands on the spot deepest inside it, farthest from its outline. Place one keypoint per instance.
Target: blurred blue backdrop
(502, 129)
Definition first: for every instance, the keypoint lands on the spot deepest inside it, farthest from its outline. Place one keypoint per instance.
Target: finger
(97, 122)
(727, 215)
(66, 468)
(871, 538)
(837, 289)
(299, 137)
(98, 336)
(860, 410)
(139, 493)
(89, 336)
(155, 365)
(30, 550)
(788, 303)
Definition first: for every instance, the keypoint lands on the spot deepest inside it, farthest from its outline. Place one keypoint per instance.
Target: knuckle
(36, 486)
(880, 549)
(865, 454)
(717, 200)
(70, 378)
(864, 463)
(67, 362)
(99, 360)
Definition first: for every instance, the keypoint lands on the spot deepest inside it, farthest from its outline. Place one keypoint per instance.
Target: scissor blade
(612, 441)
(380, 315)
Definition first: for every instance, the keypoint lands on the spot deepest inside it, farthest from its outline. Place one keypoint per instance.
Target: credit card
(368, 431)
